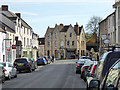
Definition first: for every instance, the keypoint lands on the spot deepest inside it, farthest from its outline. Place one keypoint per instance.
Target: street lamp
(65, 45)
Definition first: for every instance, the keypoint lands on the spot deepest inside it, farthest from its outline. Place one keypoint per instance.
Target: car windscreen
(4, 64)
(40, 59)
(21, 60)
(86, 58)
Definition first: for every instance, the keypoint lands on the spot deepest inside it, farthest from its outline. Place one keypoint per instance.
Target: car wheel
(3, 79)
(9, 77)
(81, 76)
(30, 70)
(15, 76)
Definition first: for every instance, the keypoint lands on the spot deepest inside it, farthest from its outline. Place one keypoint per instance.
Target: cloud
(29, 13)
(26, 13)
(57, 1)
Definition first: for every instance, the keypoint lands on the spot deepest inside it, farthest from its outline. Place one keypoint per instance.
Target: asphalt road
(60, 74)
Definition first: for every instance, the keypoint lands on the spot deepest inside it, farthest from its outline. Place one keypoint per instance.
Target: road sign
(106, 41)
(104, 37)
(13, 46)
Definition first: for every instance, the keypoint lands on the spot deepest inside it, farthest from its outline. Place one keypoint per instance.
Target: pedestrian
(53, 59)
(97, 57)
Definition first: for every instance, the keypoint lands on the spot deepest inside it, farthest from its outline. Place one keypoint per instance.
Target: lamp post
(65, 45)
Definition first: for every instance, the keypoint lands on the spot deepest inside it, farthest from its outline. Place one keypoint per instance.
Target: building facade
(35, 45)
(65, 41)
(19, 35)
(107, 32)
(41, 47)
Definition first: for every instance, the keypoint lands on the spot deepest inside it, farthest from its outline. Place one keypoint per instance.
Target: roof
(78, 32)
(65, 28)
(10, 14)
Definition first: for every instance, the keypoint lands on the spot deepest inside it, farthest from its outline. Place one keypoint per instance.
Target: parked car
(24, 64)
(41, 60)
(9, 69)
(85, 67)
(111, 80)
(81, 62)
(2, 73)
(90, 73)
(34, 63)
(105, 63)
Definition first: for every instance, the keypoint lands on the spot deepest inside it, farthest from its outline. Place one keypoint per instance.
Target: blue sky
(40, 14)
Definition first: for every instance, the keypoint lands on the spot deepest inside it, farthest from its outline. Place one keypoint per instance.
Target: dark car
(23, 64)
(81, 62)
(111, 80)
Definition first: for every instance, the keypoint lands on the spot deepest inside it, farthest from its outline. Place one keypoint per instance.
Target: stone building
(65, 41)
(41, 47)
(107, 33)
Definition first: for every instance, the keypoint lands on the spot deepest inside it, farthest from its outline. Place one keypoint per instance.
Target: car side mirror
(94, 84)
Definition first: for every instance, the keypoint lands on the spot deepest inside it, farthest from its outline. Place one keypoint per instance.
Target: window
(27, 41)
(27, 31)
(24, 30)
(61, 43)
(70, 34)
(48, 44)
(72, 43)
(48, 36)
(55, 35)
(68, 43)
(55, 44)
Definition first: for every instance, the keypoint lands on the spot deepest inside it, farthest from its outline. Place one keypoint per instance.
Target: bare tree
(93, 25)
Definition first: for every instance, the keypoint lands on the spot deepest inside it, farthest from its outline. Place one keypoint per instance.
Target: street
(60, 74)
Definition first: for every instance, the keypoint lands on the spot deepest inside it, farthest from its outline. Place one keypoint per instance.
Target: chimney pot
(4, 8)
(18, 14)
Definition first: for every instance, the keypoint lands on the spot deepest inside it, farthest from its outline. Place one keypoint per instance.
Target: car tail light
(28, 64)
(13, 65)
(92, 73)
(77, 65)
(84, 67)
(93, 69)
(5, 69)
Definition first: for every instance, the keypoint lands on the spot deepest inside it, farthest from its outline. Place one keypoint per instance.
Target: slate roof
(78, 32)
(65, 28)
(10, 14)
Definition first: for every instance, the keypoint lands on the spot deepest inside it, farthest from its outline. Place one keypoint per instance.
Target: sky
(40, 14)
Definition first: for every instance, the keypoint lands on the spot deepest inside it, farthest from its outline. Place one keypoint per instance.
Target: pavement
(60, 74)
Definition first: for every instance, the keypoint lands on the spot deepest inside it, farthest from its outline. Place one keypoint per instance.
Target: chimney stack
(18, 14)
(4, 8)
(76, 28)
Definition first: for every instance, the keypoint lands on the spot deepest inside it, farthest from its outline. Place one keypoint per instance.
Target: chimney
(18, 14)
(61, 24)
(4, 7)
(76, 28)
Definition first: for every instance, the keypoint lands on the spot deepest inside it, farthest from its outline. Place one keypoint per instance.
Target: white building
(23, 33)
(35, 45)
